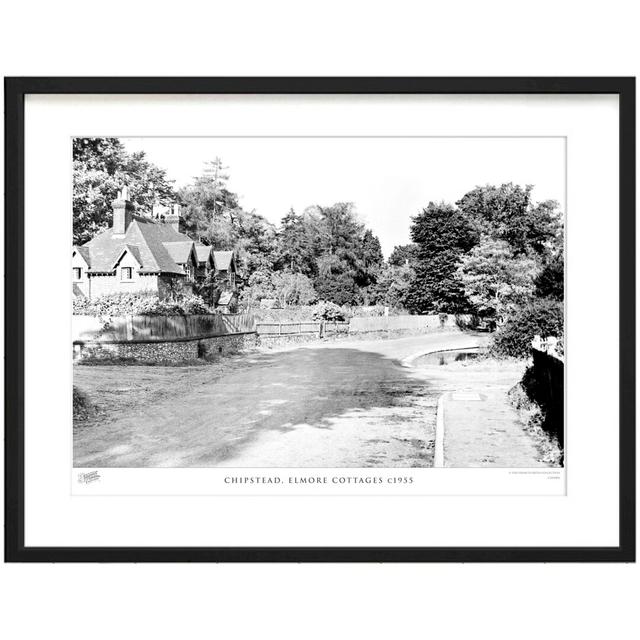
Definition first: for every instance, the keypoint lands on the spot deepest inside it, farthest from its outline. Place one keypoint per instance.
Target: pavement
(330, 404)
(481, 428)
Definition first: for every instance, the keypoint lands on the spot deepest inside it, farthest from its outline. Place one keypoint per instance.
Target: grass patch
(550, 450)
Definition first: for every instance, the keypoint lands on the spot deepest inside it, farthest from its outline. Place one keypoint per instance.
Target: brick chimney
(175, 219)
(122, 212)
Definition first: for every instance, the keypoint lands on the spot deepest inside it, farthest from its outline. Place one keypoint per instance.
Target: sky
(389, 180)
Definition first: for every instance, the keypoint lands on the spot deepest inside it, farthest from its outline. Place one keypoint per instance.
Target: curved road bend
(333, 404)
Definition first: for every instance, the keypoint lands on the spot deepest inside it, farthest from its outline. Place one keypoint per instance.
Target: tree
(392, 285)
(405, 254)
(496, 280)
(550, 281)
(292, 288)
(339, 288)
(372, 257)
(442, 235)
(259, 286)
(209, 208)
(295, 245)
(540, 316)
(508, 213)
(214, 216)
(102, 166)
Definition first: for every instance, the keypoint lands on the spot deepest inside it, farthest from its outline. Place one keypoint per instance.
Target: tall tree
(497, 280)
(392, 285)
(102, 166)
(295, 251)
(508, 213)
(442, 235)
(209, 207)
(550, 281)
(404, 255)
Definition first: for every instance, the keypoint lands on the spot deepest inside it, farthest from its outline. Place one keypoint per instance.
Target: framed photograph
(320, 319)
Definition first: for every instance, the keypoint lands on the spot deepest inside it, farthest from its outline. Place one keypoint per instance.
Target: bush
(338, 288)
(139, 304)
(542, 316)
(82, 408)
(329, 311)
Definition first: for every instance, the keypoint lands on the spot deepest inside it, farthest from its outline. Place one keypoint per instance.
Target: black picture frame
(15, 91)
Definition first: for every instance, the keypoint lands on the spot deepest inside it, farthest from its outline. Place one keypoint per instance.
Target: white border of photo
(466, 507)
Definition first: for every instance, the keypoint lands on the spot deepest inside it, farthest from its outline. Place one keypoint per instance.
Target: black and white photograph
(318, 302)
(320, 319)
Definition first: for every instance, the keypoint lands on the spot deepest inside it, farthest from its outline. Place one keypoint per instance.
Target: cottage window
(189, 269)
(77, 273)
(232, 279)
(127, 273)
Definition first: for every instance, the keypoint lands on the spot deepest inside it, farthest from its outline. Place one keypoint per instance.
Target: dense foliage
(496, 280)
(540, 316)
(404, 255)
(101, 166)
(329, 311)
(507, 213)
(442, 235)
(496, 253)
(139, 304)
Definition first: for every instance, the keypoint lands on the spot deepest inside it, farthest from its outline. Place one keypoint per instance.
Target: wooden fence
(321, 329)
(193, 327)
(159, 328)
(406, 323)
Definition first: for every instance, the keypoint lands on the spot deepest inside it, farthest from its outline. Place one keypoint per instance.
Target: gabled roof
(134, 251)
(180, 250)
(84, 253)
(145, 238)
(203, 252)
(222, 259)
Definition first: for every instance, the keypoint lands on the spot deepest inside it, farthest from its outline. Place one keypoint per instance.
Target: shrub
(339, 288)
(82, 408)
(329, 311)
(139, 304)
(542, 316)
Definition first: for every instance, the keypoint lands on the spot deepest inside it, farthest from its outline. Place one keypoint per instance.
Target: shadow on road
(207, 420)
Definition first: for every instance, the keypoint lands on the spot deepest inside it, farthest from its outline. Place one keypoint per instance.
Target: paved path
(481, 429)
(333, 404)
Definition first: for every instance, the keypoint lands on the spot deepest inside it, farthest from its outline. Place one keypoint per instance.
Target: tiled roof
(146, 237)
(203, 252)
(134, 251)
(222, 259)
(84, 252)
(156, 246)
(179, 251)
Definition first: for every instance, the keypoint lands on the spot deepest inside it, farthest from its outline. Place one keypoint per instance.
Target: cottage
(146, 253)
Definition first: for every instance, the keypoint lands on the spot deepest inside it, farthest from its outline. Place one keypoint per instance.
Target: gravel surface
(339, 404)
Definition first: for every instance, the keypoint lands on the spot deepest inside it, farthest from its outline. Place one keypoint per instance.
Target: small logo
(87, 478)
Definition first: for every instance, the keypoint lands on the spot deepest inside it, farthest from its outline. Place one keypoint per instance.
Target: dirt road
(340, 404)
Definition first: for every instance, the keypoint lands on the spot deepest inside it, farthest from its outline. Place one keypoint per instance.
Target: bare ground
(346, 404)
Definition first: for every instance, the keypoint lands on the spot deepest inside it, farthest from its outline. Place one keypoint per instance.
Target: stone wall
(175, 352)
(274, 341)
(210, 348)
